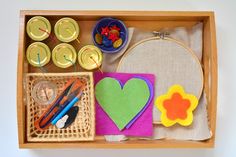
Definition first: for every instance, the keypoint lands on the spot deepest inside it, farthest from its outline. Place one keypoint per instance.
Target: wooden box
(149, 20)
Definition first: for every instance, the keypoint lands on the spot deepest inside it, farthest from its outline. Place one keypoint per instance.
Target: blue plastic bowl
(110, 22)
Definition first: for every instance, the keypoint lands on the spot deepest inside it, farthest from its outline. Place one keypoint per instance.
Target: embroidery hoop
(162, 37)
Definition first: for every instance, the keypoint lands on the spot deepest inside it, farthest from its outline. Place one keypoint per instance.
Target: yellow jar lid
(38, 28)
(38, 54)
(63, 55)
(90, 57)
(66, 29)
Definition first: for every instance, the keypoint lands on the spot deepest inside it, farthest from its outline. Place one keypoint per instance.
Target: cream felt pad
(170, 61)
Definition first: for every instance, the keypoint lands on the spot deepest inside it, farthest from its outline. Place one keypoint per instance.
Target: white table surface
(225, 13)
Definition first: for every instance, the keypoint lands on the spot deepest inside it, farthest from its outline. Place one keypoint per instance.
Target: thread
(96, 64)
(40, 66)
(50, 35)
(72, 34)
(71, 63)
(43, 70)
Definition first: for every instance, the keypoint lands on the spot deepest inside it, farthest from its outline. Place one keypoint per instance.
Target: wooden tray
(149, 20)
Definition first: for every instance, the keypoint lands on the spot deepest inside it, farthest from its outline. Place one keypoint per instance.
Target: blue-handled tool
(68, 99)
(67, 108)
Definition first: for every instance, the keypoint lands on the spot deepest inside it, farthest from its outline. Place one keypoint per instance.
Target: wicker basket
(83, 128)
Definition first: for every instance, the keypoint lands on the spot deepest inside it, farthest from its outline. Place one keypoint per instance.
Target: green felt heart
(122, 104)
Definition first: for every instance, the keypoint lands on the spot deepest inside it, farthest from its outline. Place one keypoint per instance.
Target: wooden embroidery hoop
(163, 37)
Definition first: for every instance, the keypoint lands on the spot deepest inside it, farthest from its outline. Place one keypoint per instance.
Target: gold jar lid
(90, 57)
(38, 54)
(38, 28)
(63, 55)
(66, 29)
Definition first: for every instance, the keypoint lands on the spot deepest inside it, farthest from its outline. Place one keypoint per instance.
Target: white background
(225, 12)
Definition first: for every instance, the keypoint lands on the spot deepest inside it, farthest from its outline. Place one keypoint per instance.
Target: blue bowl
(110, 22)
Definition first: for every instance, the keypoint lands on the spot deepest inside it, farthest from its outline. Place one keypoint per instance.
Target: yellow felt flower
(176, 106)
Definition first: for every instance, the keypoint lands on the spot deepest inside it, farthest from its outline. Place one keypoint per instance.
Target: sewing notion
(66, 29)
(176, 106)
(38, 28)
(67, 98)
(90, 57)
(64, 55)
(123, 87)
(110, 35)
(44, 92)
(38, 54)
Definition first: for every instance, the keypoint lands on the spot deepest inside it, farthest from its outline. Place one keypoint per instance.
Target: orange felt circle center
(176, 107)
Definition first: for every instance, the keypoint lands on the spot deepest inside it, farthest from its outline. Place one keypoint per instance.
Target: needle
(44, 90)
(67, 29)
(44, 31)
(96, 64)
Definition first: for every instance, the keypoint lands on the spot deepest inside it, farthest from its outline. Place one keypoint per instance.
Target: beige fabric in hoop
(170, 60)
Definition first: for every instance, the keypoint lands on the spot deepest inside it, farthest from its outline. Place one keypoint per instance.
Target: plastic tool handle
(63, 112)
(44, 122)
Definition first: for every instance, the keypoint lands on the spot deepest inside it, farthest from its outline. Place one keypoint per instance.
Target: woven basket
(83, 128)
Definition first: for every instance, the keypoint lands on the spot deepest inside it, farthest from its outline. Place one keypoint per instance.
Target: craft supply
(150, 86)
(71, 90)
(50, 35)
(67, 108)
(98, 38)
(122, 104)
(170, 60)
(33, 25)
(61, 122)
(90, 57)
(38, 54)
(176, 106)
(68, 118)
(143, 124)
(44, 121)
(106, 42)
(82, 129)
(64, 55)
(117, 43)
(66, 29)
(113, 37)
(71, 33)
(115, 32)
(110, 62)
(44, 92)
(197, 131)
(66, 100)
(107, 32)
